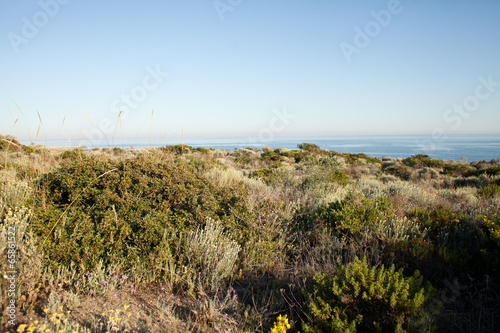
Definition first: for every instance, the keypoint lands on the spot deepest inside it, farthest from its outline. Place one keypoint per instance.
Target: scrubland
(182, 239)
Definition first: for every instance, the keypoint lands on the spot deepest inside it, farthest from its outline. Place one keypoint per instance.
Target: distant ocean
(453, 147)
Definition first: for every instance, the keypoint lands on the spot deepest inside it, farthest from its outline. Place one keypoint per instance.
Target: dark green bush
(310, 147)
(456, 170)
(72, 154)
(368, 299)
(202, 150)
(399, 171)
(177, 149)
(271, 155)
(123, 212)
(490, 171)
(488, 192)
(295, 154)
(422, 160)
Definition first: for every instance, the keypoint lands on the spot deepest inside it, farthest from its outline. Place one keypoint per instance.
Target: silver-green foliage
(212, 254)
(398, 229)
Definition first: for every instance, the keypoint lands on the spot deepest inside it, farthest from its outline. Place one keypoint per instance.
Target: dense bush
(76, 153)
(310, 147)
(456, 170)
(177, 149)
(339, 176)
(490, 171)
(422, 160)
(400, 171)
(120, 212)
(368, 299)
(489, 191)
(356, 213)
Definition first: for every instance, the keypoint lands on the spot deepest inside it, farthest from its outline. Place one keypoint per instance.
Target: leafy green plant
(310, 147)
(368, 299)
(339, 176)
(356, 213)
(399, 171)
(123, 212)
(72, 154)
(490, 191)
(177, 149)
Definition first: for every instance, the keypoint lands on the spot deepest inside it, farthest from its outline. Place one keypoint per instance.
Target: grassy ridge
(203, 240)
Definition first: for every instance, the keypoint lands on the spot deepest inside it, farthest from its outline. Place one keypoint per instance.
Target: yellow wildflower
(281, 325)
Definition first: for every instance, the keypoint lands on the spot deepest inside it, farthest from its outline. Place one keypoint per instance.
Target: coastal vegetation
(183, 239)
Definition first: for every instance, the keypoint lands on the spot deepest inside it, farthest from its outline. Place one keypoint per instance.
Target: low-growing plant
(356, 213)
(490, 191)
(368, 299)
(211, 255)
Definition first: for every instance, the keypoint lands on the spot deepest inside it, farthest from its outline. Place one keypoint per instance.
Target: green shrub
(369, 159)
(123, 212)
(265, 174)
(356, 213)
(177, 149)
(491, 251)
(435, 219)
(399, 171)
(201, 150)
(488, 192)
(295, 154)
(490, 171)
(271, 155)
(456, 170)
(339, 176)
(368, 299)
(310, 147)
(422, 160)
(72, 154)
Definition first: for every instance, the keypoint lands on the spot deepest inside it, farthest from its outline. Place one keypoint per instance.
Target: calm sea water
(453, 147)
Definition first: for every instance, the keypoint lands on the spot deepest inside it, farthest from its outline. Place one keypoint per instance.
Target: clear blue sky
(233, 65)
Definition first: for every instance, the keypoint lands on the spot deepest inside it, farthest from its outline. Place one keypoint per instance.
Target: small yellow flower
(45, 310)
(21, 328)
